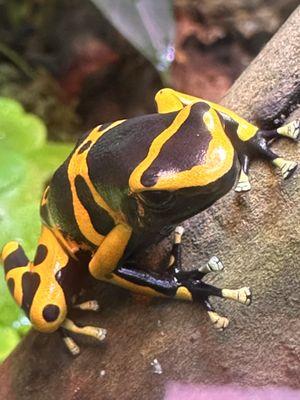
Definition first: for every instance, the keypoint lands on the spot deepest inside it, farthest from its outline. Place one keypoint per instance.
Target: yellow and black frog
(125, 186)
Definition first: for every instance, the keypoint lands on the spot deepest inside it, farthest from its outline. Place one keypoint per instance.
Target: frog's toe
(291, 130)
(286, 167)
(214, 265)
(179, 230)
(243, 184)
(243, 187)
(90, 305)
(70, 344)
(93, 331)
(220, 323)
(242, 295)
(98, 333)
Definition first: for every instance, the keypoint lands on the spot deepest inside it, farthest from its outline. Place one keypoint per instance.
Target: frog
(126, 186)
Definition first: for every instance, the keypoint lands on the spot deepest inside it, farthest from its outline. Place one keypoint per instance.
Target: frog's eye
(157, 198)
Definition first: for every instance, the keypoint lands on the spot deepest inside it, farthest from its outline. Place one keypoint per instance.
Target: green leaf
(9, 338)
(27, 161)
(12, 170)
(18, 130)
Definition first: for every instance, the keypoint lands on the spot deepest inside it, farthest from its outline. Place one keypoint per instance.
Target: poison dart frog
(126, 185)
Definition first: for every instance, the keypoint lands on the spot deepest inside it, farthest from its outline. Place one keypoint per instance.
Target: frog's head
(187, 167)
(177, 196)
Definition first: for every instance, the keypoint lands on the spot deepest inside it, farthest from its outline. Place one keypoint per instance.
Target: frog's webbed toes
(220, 323)
(214, 265)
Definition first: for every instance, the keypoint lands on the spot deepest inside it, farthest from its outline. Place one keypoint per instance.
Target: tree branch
(257, 237)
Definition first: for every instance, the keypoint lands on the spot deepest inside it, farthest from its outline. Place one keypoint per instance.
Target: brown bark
(257, 237)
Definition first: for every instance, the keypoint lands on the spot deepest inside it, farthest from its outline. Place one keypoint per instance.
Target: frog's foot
(214, 265)
(242, 295)
(91, 305)
(243, 184)
(291, 130)
(220, 323)
(95, 332)
(286, 167)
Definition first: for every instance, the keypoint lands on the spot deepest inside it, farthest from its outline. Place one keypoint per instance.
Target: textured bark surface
(257, 237)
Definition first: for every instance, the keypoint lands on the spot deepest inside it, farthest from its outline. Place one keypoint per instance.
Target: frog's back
(87, 192)
(175, 141)
(86, 189)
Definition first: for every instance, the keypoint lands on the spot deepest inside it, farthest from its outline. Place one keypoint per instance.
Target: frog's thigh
(34, 285)
(110, 251)
(169, 100)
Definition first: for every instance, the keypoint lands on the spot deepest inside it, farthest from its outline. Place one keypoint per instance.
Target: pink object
(176, 391)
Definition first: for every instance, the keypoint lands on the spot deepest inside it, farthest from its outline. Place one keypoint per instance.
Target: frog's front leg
(187, 287)
(213, 265)
(45, 287)
(175, 283)
(110, 251)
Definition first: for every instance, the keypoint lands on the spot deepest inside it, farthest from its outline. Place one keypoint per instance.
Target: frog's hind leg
(45, 287)
(286, 167)
(259, 146)
(33, 284)
(292, 131)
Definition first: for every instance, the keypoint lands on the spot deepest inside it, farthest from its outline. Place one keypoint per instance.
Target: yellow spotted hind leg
(35, 285)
